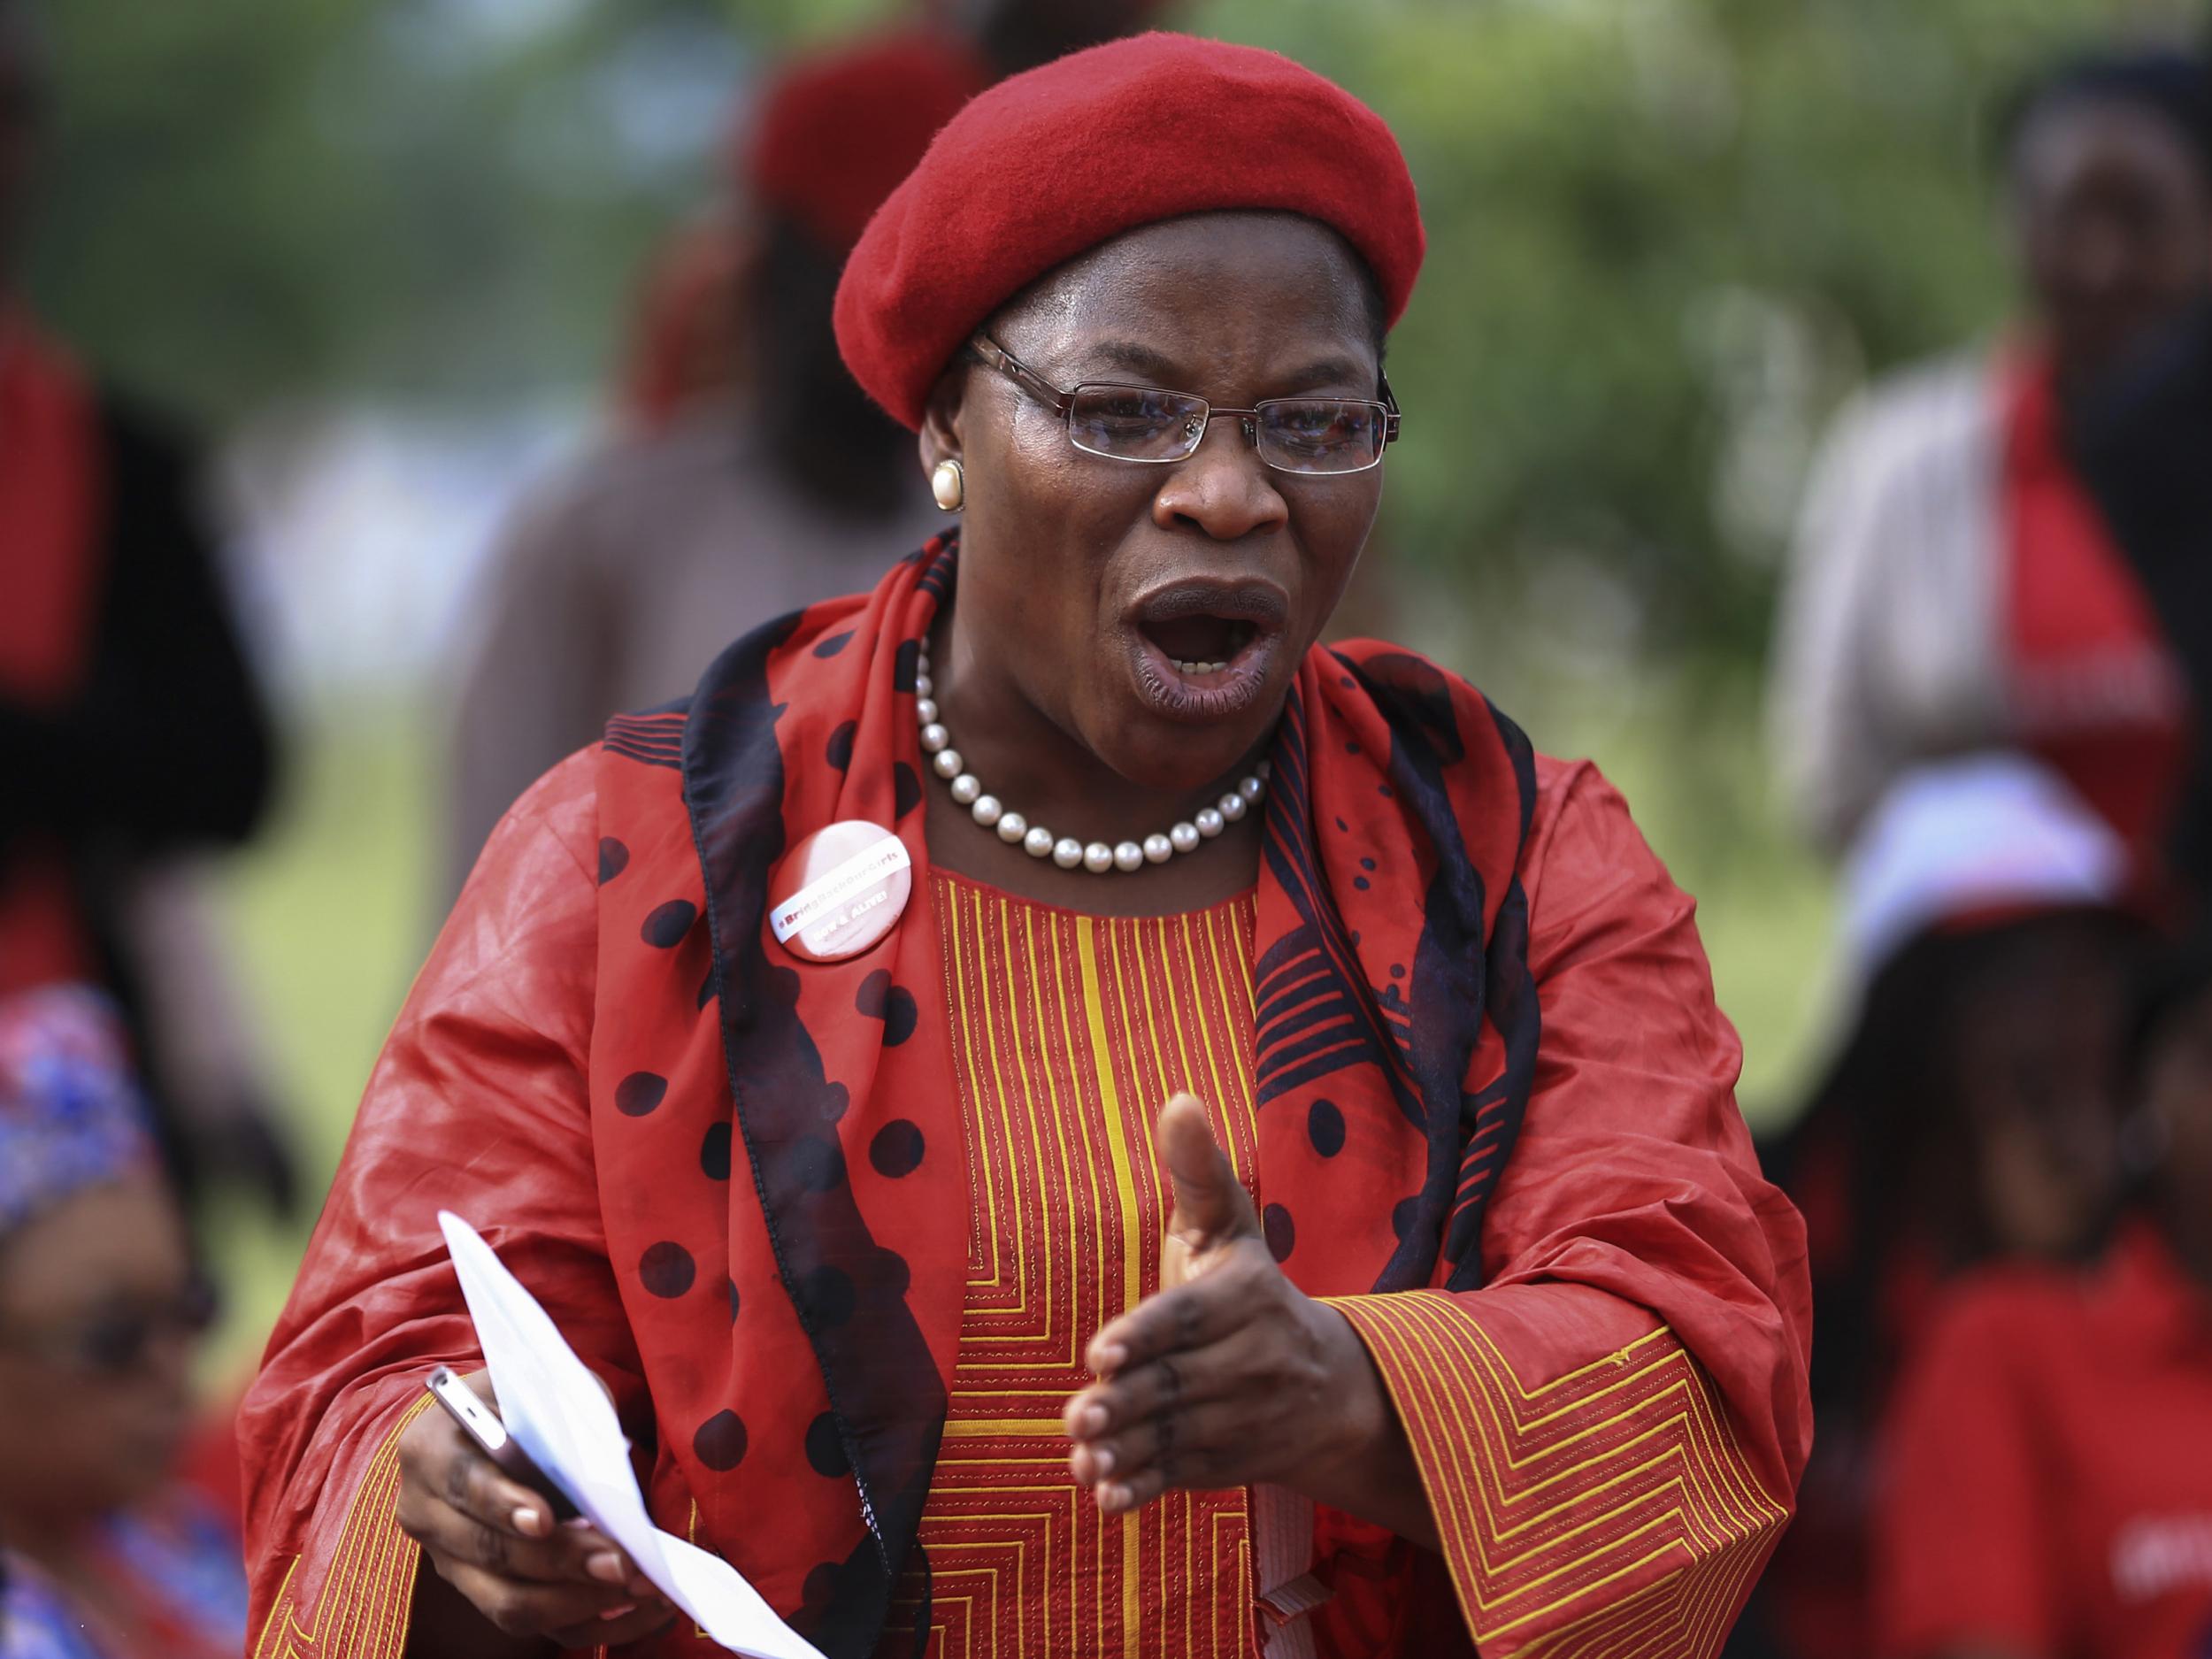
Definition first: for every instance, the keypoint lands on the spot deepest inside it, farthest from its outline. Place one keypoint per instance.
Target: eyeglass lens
(1296, 434)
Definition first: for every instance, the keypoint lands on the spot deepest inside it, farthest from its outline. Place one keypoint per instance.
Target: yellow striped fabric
(1070, 1032)
(361, 1610)
(1607, 1511)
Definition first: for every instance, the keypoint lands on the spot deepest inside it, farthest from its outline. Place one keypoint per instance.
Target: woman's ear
(939, 437)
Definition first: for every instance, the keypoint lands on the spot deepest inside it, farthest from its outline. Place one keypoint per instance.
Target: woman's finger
(519, 1608)
(438, 1461)
(1211, 1206)
(1185, 1446)
(1228, 1294)
(572, 1556)
(1139, 1391)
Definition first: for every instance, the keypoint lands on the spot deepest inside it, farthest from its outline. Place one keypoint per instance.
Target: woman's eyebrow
(1134, 358)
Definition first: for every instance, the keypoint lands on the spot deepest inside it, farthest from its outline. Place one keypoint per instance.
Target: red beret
(1058, 160)
(837, 130)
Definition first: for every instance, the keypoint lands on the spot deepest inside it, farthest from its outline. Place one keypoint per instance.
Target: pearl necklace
(1065, 850)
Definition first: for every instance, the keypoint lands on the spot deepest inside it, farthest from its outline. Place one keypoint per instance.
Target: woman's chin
(1195, 764)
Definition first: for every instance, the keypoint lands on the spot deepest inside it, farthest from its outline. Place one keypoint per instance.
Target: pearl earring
(949, 485)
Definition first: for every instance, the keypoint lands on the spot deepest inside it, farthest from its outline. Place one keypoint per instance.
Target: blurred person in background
(1953, 587)
(103, 1553)
(744, 496)
(1970, 1113)
(2045, 1478)
(131, 732)
(690, 338)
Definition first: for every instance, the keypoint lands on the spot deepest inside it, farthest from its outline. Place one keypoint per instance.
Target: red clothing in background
(49, 586)
(2092, 682)
(2047, 1484)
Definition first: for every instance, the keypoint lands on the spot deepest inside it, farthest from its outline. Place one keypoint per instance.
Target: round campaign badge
(839, 890)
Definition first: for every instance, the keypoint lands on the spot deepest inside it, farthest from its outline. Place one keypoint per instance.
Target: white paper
(555, 1407)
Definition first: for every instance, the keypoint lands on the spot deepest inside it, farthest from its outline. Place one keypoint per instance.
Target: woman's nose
(1224, 489)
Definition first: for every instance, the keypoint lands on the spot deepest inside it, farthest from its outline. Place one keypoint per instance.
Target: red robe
(1545, 1217)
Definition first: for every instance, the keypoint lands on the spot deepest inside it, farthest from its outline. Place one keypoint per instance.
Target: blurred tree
(1666, 236)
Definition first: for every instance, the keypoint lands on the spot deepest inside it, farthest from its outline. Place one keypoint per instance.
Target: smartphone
(481, 1425)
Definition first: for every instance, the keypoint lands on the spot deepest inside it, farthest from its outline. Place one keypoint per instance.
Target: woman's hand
(1234, 1375)
(507, 1564)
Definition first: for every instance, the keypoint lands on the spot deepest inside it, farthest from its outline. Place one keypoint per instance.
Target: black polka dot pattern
(666, 927)
(614, 858)
(897, 1149)
(720, 1442)
(840, 754)
(835, 643)
(734, 1298)
(894, 1005)
(906, 789)
(666, 1269)
(714, 1153)
(819, 1588)
(905, 663)
(825, 1447)
(1282, 1235)
(1325, 1127)
(829, 1296)
(640, 1092)
(1402, 1214)
(891, 1274)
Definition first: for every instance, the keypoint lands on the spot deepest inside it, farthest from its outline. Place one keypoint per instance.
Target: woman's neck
(1035, 768)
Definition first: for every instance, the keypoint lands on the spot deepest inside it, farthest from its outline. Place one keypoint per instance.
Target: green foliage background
(1665, 237)
(1665, 234)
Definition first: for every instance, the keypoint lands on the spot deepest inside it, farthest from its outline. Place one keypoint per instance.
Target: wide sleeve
(1610, 1432)
(1962, 1520)
(478, 1104)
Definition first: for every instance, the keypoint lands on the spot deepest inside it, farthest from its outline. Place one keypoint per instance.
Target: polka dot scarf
(782, 1176)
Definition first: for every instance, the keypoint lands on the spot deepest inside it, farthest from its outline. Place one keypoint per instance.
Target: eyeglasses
(114, 1342)
(1313, 435)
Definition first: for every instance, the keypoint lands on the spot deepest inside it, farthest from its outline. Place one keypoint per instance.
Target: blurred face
(2037, 1056)
(1090, 582)
(95, 1347)
(2115, 228)
(2178, 1084)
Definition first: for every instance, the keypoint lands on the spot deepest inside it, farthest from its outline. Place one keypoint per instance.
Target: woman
(102, 1556)
(2048, 1462)
(1953, 586)
(1488, 1329)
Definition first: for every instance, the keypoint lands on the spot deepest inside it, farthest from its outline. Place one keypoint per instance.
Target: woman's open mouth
(1203, 651)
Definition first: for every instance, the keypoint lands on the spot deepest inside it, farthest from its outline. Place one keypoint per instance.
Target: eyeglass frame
(997, 357)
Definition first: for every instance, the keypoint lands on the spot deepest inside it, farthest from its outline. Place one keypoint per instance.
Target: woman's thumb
(1211, 1203)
